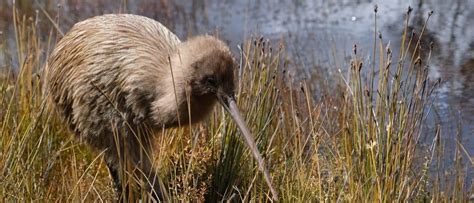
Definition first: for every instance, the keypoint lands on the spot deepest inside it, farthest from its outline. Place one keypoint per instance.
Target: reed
(361, 142)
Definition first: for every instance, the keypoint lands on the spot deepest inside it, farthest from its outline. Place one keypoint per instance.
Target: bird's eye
(211, 81)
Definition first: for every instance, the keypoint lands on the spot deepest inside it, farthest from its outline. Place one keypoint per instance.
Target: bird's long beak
(229, 104)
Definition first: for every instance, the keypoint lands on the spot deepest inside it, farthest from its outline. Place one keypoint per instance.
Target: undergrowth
(359, 143)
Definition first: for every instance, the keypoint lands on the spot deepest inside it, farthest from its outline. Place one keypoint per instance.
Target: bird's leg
(115, 176)
(117, 167)
(118, 164)
(141, 157)
(149, 177)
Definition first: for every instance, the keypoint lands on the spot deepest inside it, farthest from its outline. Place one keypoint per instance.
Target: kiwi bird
(119, 79)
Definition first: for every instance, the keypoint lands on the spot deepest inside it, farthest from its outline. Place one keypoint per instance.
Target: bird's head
(213, 75)
(211, 70)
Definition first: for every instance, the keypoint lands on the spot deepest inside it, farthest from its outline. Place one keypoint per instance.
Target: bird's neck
(173, 89)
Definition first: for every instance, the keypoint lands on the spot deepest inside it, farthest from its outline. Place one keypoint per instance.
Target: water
(316, 32)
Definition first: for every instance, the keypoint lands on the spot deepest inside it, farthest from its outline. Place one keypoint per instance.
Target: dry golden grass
(360, 143)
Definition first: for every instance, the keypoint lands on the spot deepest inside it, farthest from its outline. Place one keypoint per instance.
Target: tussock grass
(359, 143)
